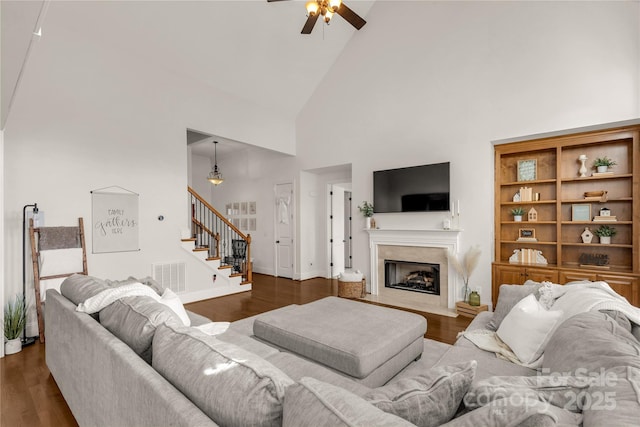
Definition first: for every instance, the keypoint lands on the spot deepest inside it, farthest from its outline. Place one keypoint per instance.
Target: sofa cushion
(231, 385)
(429, 399)
(508, 297)
(352, 337)
(525, 401)
(528, 315)
(518, 411)
(488, 364)
(314, 403)
(613, 398)
(78, 288)
(134, 320)
(588, 342)
(297, 367)
(149, 281)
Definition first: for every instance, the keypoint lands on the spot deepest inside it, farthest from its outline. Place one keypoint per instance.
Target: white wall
(88, 116)
(2, 234)
(429, 82)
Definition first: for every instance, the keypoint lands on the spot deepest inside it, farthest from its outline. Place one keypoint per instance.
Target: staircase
(218, 243)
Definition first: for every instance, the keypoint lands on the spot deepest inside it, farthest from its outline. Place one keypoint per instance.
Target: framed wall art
(114, 216)
(527, 170)
(581, 212)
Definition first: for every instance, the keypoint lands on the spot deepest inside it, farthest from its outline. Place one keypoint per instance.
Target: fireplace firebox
(412, 276)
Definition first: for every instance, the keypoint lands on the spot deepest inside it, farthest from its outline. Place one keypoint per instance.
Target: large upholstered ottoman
(361, 340)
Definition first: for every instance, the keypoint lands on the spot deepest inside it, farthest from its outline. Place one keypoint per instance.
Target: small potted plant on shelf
(602, 164)
(517, 213)
(367, 210)
(14, 318)
(605, 233)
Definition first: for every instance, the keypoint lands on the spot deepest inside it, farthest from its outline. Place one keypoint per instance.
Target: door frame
(293, 227)
(346, 185)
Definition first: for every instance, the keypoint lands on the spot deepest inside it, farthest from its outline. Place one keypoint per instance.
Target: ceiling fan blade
(350, 16)
(308, 26)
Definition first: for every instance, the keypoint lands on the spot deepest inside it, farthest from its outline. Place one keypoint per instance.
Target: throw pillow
(527, 329)
(613, 398)
(516, 410)
(314, 403)
(231, 385)
(171, 300)
(429, 399)
(134, 321)
(78, 288)
(98, 302)
(588, 342)
(508, 297)
(145, 281)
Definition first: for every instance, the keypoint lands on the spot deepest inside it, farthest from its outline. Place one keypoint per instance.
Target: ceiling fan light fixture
(328, 15)
(334, 5)
(215, 177)
(312, 7)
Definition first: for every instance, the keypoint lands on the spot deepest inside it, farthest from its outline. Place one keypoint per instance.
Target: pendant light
(215, 177)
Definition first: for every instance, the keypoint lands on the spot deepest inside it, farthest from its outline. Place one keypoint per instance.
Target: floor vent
(170, 275)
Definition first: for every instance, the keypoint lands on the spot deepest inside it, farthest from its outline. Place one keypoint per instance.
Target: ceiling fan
(327, 8)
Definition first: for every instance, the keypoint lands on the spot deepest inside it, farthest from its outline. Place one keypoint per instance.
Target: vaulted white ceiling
(249, 48)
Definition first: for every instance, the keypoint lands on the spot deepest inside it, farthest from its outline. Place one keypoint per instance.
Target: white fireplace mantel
(428, 238)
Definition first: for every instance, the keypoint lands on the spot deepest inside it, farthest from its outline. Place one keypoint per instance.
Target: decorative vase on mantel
(367, 222)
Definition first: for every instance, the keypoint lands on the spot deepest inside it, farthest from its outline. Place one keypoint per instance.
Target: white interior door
(284, 230)
(337, 230)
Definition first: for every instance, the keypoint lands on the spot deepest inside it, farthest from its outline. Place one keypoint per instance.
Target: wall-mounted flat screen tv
(413, 189)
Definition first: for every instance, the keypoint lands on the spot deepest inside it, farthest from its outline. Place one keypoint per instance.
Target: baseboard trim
(195, 296)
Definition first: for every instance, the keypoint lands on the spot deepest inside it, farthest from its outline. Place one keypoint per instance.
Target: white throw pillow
(527, 328)
(171, 300)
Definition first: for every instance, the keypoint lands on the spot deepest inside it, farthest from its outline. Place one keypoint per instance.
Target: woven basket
(351, 289)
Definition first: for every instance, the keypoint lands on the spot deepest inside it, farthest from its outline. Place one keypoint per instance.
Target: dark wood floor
(30, 396)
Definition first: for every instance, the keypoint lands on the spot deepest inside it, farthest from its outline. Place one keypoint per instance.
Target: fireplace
(415, 248)
(412, 276)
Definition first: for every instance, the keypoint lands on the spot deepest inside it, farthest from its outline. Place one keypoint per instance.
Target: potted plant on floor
(517, 213)
(14, 320)
(367, 210)
(605, 233)
(602, 164)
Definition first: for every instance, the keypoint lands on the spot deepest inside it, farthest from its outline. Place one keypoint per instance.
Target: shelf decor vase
(583, 167)
(13, 346)
(602, 169)
(517, 218)
(474, 298)
(605, 240)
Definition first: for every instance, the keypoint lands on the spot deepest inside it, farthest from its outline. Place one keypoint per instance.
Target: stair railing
(223, 240)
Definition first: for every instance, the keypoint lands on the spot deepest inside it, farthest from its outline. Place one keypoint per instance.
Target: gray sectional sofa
(137, 364)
